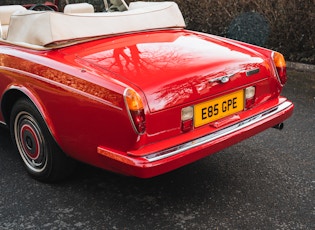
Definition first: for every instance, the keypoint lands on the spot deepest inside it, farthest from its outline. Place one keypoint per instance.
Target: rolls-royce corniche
(129, 89)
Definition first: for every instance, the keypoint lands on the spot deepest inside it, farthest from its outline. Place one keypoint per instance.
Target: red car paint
(79, 91)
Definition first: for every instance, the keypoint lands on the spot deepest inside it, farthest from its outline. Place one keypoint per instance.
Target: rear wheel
(41, 155)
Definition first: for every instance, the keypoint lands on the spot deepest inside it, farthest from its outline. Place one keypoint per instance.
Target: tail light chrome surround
(135, 109)
(187, 117)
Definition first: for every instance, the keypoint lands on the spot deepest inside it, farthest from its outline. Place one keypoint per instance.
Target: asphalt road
(265, 182)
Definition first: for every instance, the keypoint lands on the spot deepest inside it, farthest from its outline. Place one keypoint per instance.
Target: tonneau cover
(47, 28)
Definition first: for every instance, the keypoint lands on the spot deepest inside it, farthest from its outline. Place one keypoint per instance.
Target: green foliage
(291, 23)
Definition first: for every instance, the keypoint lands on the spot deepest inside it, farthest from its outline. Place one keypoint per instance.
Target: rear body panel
(79, 91)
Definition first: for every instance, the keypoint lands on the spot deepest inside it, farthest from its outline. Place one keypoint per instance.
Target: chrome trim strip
(3, 123)
(223, 79)
(274, 66)
(205, 139)
(252, 72)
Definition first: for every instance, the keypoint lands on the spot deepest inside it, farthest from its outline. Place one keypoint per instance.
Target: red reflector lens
(280, 66)
(249, 103)
(187, 125)
(138, 118)
(282, 72)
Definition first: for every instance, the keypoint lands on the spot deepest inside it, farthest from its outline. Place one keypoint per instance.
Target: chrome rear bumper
(213, 136)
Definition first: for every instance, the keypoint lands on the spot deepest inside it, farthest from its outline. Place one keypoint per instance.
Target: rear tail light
(250, 93)
(280, 65)
(187, 118)
(136, 110)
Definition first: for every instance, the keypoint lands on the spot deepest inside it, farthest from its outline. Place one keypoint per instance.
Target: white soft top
(48, 29)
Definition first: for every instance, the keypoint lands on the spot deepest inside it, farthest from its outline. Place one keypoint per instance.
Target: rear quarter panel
(82, 109)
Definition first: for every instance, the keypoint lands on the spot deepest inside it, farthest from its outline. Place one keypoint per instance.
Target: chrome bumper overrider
(213, 136)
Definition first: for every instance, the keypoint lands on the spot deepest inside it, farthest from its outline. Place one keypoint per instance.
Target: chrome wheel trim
(30, 142)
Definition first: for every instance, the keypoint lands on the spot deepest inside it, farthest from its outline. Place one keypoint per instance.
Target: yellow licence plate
(217, 108)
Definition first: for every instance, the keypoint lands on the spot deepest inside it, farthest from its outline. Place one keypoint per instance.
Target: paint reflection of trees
(175, 93)
(131, 59)
(121, 55)
(161, 61)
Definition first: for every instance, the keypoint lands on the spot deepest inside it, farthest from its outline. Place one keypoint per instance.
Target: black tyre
(41, 155)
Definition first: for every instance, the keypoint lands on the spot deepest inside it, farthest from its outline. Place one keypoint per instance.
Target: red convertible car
(130, 91)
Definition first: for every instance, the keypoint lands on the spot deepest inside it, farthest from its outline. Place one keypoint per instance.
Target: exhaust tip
(279, 126)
